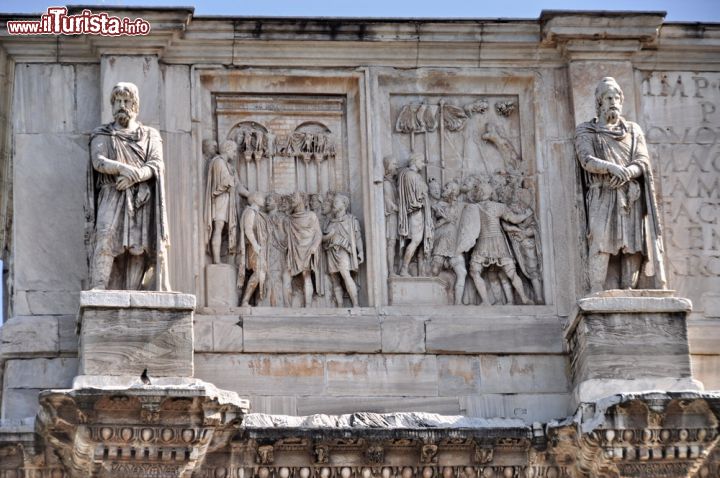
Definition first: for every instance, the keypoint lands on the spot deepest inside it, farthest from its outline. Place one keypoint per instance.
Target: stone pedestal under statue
(124, 333)
(626, 341)
(221, 285)
(135, 410)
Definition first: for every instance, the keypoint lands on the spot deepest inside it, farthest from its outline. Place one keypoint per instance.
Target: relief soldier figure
(620, 194)
(481, 227)
(391, 211)
(524, 239)
(304, 237)
(447, 220)
(253, 253)
(414, 215)
(127, 230)
(278, 280)
(221, 200)
(344, 248)
(322, 277)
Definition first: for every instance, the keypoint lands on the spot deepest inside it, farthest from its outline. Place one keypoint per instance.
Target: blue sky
(687, 10)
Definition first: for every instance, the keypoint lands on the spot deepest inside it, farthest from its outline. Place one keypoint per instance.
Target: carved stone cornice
(644, 435)
(139, 431)
(600, 35)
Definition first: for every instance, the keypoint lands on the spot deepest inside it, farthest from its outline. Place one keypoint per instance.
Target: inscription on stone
(682, 122)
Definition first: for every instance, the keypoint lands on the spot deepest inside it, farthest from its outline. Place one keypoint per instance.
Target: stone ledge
(136, 299)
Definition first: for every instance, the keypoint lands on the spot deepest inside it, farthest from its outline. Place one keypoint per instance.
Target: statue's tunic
(133, 220)
(446, 233)
(615, 215)
(414, 217)
(249, 257)
(492, 245)
(277, 258)
(220, 199)
(344, 243)
(304, 237)
(523, 239)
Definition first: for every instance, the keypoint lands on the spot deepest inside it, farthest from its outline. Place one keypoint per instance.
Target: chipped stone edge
(590, 416)
(132, 385)
(381, 421)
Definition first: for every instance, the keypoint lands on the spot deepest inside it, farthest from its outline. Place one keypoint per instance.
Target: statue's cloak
(303, 237)
(141, 147)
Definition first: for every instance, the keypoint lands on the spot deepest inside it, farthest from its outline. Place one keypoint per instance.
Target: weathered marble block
(418, 291)
(629, 341)
(122, 333)
(220, 285)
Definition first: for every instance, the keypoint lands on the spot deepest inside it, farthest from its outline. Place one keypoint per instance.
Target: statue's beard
(123, 117)
(612, 114)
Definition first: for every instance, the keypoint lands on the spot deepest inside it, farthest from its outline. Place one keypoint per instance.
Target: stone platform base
(624, 341)
(127, 332)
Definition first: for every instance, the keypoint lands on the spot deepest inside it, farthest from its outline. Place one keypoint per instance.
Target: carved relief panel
(297, 240)
(463, 202)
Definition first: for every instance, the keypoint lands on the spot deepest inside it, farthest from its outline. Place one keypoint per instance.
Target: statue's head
(209, 148)
(328, 203)
(297, 202)
(608, 99)
(417, 160)
(316, 202)
(484, 191)
(257, 198)
(390, 165)
(340, 203)
(125, 101)
(228, 149)
(469, 183)
(451, 191)
(271, 201)
(434, 188)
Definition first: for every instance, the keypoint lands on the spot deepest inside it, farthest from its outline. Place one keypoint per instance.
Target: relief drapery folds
(461, 211)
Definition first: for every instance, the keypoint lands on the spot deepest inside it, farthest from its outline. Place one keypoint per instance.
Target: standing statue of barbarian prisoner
(619, 194)
(125, 210)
